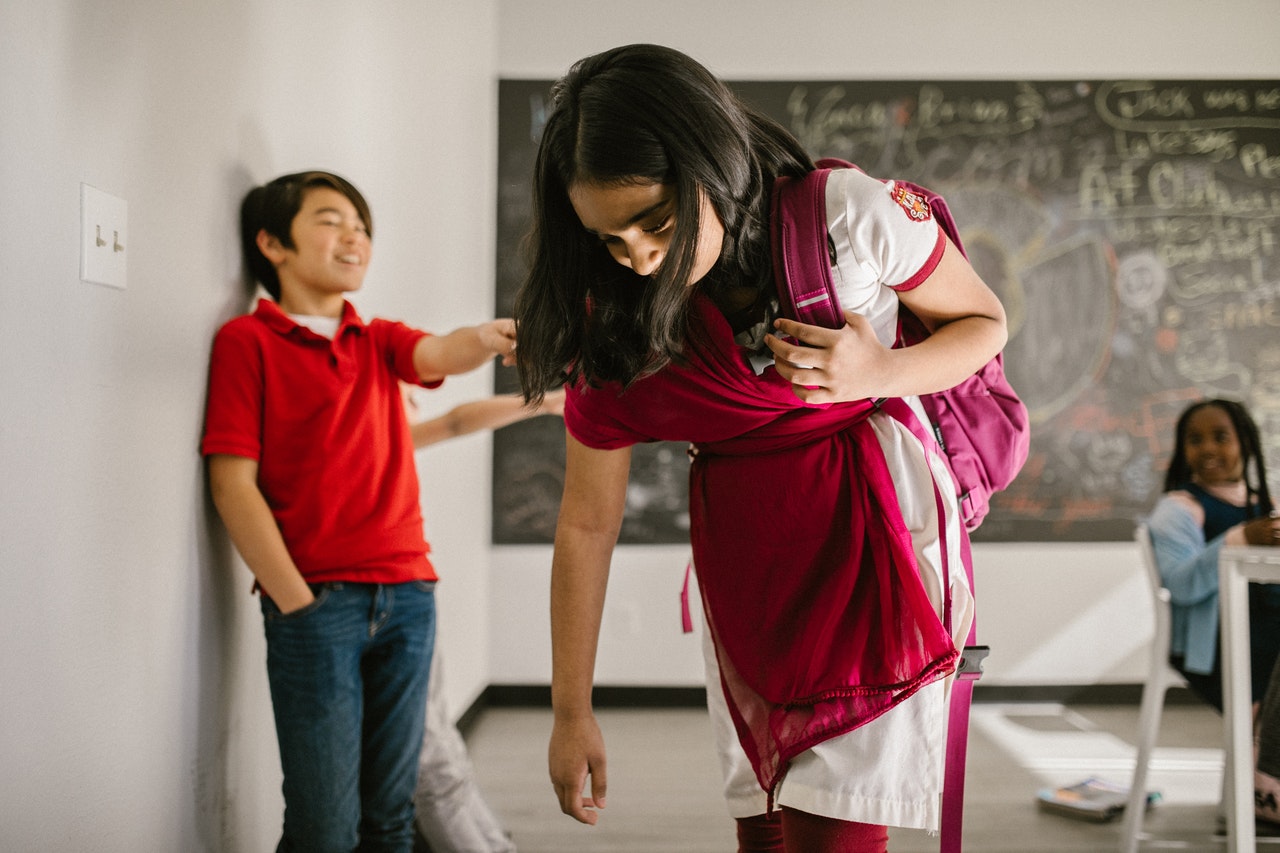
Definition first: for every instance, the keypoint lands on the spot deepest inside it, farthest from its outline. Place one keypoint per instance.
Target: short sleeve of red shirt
(400, 341)
(233, 417)
(587, 419)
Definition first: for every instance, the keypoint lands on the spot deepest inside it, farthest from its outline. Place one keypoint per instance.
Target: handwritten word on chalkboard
(1131, 228)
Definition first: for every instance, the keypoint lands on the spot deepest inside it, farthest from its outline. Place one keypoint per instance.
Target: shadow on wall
(235, 781)
(217, 652)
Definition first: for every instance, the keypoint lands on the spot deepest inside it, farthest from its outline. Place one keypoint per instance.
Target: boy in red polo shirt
(311, 468)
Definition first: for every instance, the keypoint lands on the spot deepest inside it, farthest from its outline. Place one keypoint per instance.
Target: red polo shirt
(326, 423)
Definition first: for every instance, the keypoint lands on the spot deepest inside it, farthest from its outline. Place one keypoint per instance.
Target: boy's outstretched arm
(490, 413)
(465, 349)
(233, 481)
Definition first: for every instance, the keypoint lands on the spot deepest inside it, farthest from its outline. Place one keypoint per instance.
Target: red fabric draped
(808, 576)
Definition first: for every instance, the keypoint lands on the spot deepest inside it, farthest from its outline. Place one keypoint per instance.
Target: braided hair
(1255, 466)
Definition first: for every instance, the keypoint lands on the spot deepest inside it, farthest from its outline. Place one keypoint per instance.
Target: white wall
(132, 686)
(1053, 614)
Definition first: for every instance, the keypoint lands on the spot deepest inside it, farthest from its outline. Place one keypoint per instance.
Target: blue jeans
(348, 677)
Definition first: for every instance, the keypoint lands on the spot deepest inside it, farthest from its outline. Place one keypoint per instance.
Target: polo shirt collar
(270, 313)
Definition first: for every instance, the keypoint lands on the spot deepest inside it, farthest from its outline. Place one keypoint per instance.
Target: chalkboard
(1131, 228)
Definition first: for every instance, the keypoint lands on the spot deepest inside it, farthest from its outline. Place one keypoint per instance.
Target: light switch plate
(104, 237)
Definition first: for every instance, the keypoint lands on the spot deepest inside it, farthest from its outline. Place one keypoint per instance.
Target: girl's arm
(465, 349)
(587, 529)
(490, 413)
(968, 329)
(1188, 564)
(233, 481)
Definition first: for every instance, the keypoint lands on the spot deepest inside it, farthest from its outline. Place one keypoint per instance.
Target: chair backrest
(1160, 596)
(1160, 676)
(1147, 553)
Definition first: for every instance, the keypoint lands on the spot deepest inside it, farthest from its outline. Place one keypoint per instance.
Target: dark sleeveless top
(1219, 516)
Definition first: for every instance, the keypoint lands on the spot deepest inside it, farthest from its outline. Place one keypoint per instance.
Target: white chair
(1160, 677)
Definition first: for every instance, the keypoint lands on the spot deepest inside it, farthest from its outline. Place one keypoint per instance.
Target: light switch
(104, 237)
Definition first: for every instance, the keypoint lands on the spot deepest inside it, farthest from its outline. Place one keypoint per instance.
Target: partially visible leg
(451, 814)
(401, 625)
(1264, 654)
(742, 792)
(1269, 727)
(1207, 687)
(1264, 637)
(760, 834)
(810, 833)
(313, 666)
(1266, 777)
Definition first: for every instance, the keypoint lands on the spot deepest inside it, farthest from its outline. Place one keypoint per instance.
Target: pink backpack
(980, 424)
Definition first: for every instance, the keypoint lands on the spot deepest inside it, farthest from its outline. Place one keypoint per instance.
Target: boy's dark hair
(1255, 466)
(272, 207)
(641, 114)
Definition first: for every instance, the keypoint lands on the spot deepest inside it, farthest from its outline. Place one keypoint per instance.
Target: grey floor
(664, 787)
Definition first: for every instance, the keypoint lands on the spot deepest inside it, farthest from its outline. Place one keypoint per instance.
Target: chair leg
(1148, 728)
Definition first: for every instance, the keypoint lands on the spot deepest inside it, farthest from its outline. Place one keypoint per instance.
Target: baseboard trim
(1077, 694)
(602, 696)
(539, 696)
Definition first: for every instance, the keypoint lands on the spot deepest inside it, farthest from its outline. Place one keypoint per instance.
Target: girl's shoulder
(873, 207)
(886, 239)
(1182, 501)
(881, 194)
(852, 183)
(1181, 496)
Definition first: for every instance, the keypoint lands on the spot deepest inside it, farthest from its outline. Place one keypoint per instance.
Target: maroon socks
(801, 832)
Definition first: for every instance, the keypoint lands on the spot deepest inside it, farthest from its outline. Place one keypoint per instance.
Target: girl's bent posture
(817, 520)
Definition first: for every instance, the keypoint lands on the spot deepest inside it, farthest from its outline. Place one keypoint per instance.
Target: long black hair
(640, 114)
(1255, 466)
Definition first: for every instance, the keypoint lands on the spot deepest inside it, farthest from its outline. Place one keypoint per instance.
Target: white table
(1237, 566)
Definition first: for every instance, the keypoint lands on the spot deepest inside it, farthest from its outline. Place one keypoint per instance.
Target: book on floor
(1093, 799)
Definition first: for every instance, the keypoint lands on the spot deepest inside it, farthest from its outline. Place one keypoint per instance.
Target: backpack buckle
(970, 666)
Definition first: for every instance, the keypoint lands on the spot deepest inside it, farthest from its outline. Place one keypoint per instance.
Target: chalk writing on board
(1131, 228)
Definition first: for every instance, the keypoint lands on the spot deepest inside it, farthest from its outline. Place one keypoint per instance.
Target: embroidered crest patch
(914, 204)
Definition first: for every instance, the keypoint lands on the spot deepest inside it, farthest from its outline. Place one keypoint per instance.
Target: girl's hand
(577, 751)
(831, 365)
(500, 337)
(1263, 531)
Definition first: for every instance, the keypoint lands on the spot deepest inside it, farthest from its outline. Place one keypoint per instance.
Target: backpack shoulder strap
(802, 254)
(801, 259)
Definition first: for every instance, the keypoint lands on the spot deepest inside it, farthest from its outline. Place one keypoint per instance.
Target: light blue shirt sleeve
(1188, 568)
(1188, 564)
